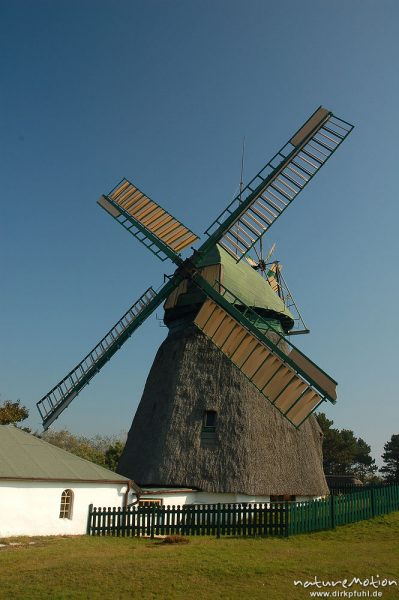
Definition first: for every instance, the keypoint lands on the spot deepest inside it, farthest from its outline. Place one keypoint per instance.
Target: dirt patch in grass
(175, 539)
(17, 542)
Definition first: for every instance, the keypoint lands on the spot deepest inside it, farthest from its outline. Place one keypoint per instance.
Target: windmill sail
(60, 396)
(164, 235)
(260, 351)
(295, 390)
(272, 190)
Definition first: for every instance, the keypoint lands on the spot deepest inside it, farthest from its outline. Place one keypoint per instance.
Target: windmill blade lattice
(271, 191)
(60, 396)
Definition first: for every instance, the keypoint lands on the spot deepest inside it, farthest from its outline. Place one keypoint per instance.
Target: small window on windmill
(148, 502)
(209, 424)
(282, 498)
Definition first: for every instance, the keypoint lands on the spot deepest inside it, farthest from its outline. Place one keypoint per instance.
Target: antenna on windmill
(241, 186)
(242, 166)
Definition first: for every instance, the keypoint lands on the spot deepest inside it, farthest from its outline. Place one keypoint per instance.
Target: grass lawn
(205, 568)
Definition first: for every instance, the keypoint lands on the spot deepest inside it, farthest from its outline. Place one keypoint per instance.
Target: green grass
(205, 568)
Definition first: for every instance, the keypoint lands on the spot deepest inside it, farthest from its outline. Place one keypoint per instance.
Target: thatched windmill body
(201, 424)
(227, 407)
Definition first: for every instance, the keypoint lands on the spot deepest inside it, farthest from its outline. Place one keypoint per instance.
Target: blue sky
(162, 92)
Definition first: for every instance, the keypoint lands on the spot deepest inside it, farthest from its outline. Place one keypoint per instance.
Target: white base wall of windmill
(166, 497)
(253, 453)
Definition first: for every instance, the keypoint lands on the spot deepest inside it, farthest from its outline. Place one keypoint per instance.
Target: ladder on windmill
(66, 390)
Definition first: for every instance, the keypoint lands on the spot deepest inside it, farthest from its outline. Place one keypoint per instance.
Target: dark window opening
(282, 498)
(150, 502)
(209, 424)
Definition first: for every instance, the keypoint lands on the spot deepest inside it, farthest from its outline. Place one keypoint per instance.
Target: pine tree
(391, 459)
(343, 452)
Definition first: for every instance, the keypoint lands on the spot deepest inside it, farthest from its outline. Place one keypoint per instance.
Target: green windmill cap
(248, 285)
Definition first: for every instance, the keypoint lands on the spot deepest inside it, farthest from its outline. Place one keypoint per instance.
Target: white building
(178, 497)
(47, 491)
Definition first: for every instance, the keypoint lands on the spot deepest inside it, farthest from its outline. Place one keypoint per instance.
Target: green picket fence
(252, 519)
(193, 519)
(342, 509)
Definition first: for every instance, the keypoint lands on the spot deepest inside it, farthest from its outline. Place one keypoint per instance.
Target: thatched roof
(255, 450)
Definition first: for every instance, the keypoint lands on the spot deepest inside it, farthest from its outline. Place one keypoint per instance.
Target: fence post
(286, 524)
(332, 510)
(152, 516)
(123, 523)
(89, 517)
(218, 520)
(372, 501)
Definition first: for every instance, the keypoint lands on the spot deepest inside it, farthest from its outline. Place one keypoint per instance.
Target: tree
(12, 412)
(391, 459)
(343, 453)
(102, 450)
(76, 444)
(112, 455)
(364, 465)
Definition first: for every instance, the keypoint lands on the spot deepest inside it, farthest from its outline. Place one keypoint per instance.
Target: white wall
(32, 508)
(194, 497)
(169, 499)
(209, 498)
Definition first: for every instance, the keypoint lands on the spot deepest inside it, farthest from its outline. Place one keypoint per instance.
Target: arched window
(66, 504)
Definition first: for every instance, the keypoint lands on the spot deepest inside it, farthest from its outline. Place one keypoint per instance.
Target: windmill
(210, 314)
